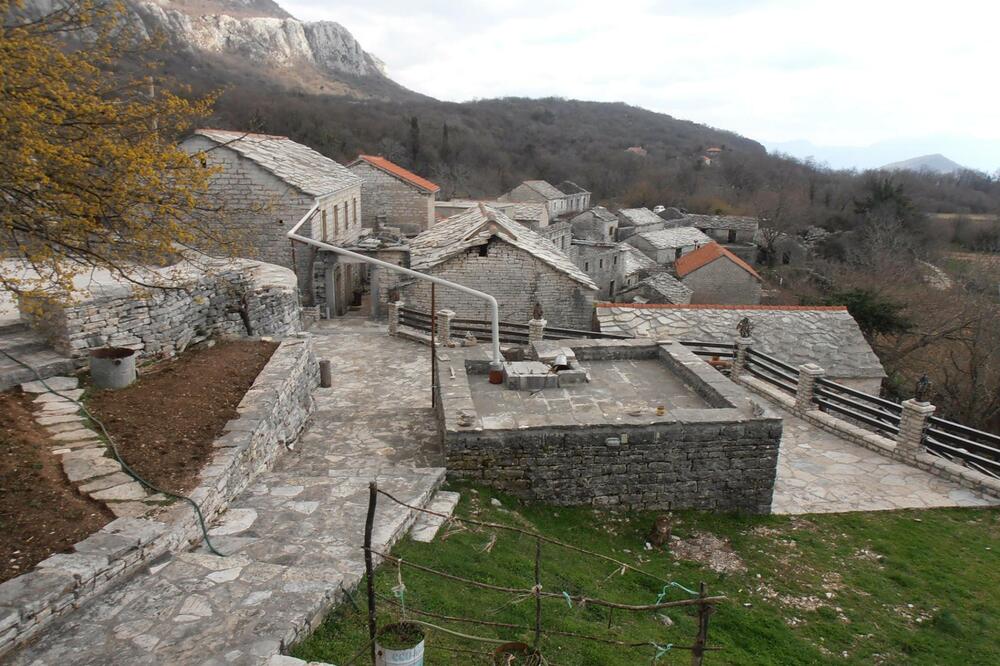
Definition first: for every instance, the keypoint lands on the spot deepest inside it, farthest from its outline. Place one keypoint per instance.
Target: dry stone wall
(395, 202)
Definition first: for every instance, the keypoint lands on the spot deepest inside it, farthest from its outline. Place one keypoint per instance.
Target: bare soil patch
(707, 549)
(165, 423)
(40, 511)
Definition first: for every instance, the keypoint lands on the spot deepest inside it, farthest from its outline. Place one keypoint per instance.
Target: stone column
(536, 330)
(912, 422)
(808, 374)
(393, 309)
(739, 358)
(444, 318)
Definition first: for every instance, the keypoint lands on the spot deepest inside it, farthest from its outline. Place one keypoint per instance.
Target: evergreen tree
(414, 141)
(445, 146)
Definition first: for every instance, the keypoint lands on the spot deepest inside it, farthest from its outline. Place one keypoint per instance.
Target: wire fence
(655, 651)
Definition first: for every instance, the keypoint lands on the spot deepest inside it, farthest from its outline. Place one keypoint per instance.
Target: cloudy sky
(831, 72)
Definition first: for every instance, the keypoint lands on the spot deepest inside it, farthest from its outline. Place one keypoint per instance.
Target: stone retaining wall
(271, 415)
(164, 322)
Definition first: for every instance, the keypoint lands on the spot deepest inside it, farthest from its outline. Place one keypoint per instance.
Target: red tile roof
(706, 254)
(399, 172)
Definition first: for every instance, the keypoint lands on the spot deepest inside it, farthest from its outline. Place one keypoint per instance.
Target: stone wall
(559, 234)
(516, 278)
(399, 204)
(722, 282)
(271, 414)
(164, 322)
(603, 263)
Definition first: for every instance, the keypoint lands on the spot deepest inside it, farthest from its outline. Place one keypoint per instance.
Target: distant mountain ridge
(936, 163)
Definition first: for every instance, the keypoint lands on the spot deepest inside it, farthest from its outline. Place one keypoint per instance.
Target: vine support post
(704, 610)
(538, 593)
(370, 565)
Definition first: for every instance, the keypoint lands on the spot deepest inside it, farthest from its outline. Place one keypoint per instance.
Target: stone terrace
(293, 540)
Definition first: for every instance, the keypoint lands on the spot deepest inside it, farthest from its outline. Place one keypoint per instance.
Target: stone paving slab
(820, 473)
(293, 539)
(426, 526)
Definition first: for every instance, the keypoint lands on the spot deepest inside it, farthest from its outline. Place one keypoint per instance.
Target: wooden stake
(369, 565)
(538, 595)
(704, 610)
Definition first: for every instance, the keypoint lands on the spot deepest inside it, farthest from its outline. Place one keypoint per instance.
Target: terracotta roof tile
(706, 254)
(399, 172)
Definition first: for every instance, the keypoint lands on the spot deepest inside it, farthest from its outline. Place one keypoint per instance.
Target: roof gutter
(494, 306)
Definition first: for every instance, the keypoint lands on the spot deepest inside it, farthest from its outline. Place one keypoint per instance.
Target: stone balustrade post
(393, 314)
(536, 330)
(444, 318)
(912, 422)
(739, 358)
(808, 374)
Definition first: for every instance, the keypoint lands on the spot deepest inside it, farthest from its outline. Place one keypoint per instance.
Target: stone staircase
(24, 344)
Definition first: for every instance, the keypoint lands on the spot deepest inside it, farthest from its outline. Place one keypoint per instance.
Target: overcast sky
(832, 72)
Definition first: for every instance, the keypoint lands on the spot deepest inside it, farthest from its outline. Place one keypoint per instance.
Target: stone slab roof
(477, 226)
(827, 336)
(667, 286)
(300, 166)
(638, 217)
(665, 239)
(534, 212)
(569, 187)
(705, 255)
(724, 222)
(635, 260)
(601, 213)
(546, 189)
(399, 172)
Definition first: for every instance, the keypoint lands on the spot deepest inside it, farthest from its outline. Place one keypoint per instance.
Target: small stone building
(632, 221)
(597, 224)
(266, 184)
(559, 234)
(577, 198)
(540, 191)
(637, 265)
(659, 287)
(735, 233)
(394, 196)
(485, 250)
(665, 246)
(716, 275)
(604, 263)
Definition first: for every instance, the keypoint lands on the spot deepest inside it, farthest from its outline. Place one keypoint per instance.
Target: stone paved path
(293, 539)
(820, 473)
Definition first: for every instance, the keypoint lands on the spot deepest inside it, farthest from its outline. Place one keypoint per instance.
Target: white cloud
(844, 72)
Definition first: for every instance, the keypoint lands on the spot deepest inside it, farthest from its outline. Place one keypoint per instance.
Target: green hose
(114, 450)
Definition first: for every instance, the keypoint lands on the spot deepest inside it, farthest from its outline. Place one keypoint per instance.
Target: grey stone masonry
(393, 316)
(912, 422)
(444, 318)
(806, 389)
(536, 330)
(739, 358)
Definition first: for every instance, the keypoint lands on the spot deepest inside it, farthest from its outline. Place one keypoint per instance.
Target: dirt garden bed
(40, 511)
(165, 423)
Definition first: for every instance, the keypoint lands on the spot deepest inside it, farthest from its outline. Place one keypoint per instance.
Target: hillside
(936, 163)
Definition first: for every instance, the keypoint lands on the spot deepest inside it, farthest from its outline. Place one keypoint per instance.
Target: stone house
(597, 224)
(736, 233)
(825, 335)
(486, 250)
(559, 234)
(577, 198)
(539, 191)
(659, 287)
(394, 196)
(665, 246)
(716, 275)
(637, 265)
(603, 262)
(532, 215)
(632, 221)
(265, 184)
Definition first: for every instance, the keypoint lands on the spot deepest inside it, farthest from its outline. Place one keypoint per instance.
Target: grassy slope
(895, 587)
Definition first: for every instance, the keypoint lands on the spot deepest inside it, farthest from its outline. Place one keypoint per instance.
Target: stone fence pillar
(444, 318)
(739, 358)
(912, 422)
(808, 374)
(393, 313)
(536, 330)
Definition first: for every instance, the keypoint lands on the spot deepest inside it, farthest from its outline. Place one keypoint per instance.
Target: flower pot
(400, 644)
(516, 654)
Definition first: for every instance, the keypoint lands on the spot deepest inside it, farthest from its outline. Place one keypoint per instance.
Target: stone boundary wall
(271, 414)
(164, 322)
(928, 462)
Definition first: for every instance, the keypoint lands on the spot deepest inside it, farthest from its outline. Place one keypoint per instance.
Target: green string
(667, 587)
(661, 650)
(569, 599)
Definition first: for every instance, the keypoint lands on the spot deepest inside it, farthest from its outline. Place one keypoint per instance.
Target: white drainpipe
(494, 307)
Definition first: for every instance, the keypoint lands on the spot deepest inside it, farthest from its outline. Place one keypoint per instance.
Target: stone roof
(477, 226)
(665, 239)
(638, 217)
(705, 255)
(827, 336)
(569, 187)
(535, 212)
(635, 260)
(399, 172)
(601, 213)
(299, 166)
(545, 188)
(667, 286)
(724, 222)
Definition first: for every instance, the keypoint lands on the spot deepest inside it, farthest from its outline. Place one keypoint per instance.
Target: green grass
(903, 587)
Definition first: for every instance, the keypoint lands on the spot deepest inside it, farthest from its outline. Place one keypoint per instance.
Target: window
(336, 222)
(325, 235)
(677, 253)
(347, 220)
(611, 290)
(614, 262)
(600, 263)
(732, 235)
(586, 266)
(484, 250)
(354, 205)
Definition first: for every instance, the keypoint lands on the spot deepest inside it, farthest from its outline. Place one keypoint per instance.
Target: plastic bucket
(112, 367)
(411, 656)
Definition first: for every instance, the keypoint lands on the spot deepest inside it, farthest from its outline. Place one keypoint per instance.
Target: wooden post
(433, 343)
(538, 595)
(370, 566)
(704, 610)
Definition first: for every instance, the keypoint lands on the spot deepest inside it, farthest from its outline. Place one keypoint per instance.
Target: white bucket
(413, 656)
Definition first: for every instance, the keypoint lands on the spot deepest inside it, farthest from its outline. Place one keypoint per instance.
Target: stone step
(28, 347)
(426, 526)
